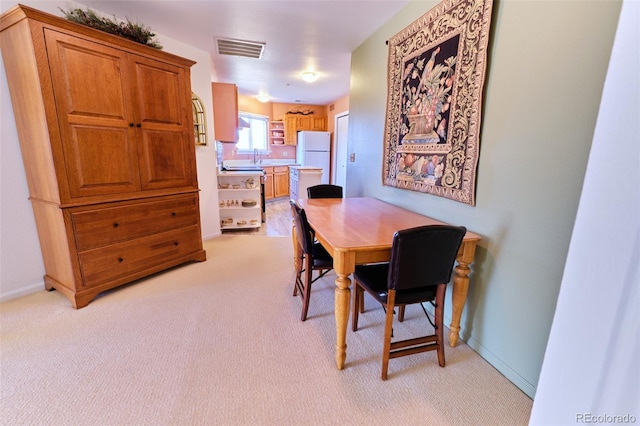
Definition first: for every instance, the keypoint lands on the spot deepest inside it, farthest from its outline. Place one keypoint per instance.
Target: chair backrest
(324, 191)
(423, 256)
(304, 232)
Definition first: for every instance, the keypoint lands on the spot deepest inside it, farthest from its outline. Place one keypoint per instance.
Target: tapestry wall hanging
(436, 71)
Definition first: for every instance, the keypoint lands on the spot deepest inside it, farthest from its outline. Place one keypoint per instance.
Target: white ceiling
(300, 35)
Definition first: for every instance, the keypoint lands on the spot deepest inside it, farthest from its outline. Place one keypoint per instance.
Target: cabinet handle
(173, 214)
(175, 243)
(131, 124)
(138, 125)
(116, 224)
(120, 260)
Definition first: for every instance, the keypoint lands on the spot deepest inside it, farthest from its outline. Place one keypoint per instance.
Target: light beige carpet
(220, 343)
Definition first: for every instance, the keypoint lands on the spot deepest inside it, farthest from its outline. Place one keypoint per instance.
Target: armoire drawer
(108, 225)
(119, 260)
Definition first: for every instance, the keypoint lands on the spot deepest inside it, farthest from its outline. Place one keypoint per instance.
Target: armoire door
(95, 116)
(165, 152)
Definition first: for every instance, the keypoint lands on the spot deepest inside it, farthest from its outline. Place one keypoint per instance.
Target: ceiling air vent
(247, 49)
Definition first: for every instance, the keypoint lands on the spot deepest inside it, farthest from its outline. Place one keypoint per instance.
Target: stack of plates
(249, 203)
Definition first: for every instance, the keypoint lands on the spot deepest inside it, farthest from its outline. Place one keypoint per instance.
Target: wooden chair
(324, 191)
(419, 269)
(313, 257)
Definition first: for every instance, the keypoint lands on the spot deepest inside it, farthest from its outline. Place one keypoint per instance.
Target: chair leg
(306, 294)
(297, 281)
(388, 329)
(439, 317)
(355, 306)
(401, 313)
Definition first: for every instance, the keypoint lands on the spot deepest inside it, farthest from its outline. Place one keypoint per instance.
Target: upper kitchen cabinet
(290, 129)
(296, 122)
(312, 122)
(225, 112)
(106, 133)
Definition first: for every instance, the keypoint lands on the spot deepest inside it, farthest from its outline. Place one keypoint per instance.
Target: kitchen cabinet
(290, 129)
(311, 122)
(303, 123)
(302, 177)
(269, 187)
(225, 112)
(318, 124)
(239, 200)
(281, 181)
(276, 132)
(297, 122)
(106, 133)
(277, 181)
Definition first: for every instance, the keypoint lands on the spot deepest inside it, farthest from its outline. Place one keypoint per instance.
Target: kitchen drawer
(281, 169)
(119, 260)
(102, 226)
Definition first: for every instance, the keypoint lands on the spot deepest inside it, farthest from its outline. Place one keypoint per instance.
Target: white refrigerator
(314, 149)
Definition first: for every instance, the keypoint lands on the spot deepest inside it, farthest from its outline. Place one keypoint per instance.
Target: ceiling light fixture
(309, 76)
(263, 98)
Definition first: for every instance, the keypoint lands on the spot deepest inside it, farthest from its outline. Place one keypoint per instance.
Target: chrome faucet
(257, 156)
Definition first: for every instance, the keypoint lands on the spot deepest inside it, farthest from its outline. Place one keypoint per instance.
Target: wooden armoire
(106, 133)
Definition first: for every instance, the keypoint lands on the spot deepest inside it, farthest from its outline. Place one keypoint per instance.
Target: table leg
(344, 265)
(341, 306)
(460, 288)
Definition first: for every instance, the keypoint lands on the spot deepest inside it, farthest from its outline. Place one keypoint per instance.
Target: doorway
(342, 148)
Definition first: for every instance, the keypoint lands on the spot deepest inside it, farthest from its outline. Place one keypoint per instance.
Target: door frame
(336, 150)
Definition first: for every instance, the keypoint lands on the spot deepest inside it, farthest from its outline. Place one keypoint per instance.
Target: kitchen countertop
(264, 163)
(258, 172)
(297, 167)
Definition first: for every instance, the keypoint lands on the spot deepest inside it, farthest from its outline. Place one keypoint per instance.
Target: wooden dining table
(360, 230)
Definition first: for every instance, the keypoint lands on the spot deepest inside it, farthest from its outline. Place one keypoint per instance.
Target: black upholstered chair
(324, 191)
(313, 257)
(420, 267)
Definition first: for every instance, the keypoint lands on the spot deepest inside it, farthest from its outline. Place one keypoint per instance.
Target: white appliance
(314, 150)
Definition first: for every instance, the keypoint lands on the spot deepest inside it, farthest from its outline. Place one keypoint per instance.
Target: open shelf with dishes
(276, 132)
(239, 200)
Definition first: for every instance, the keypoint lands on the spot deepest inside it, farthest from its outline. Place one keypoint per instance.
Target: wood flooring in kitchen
(278, 224)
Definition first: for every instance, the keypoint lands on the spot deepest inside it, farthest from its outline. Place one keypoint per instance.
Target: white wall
(592, 361)
(547, 65)
(21, 266)
(205, 155)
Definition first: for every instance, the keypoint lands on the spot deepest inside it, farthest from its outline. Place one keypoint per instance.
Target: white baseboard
(212, 235)
(23, 291)
(512, 375)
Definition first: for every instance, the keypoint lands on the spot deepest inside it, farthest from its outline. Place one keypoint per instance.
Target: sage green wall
(547, 64)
